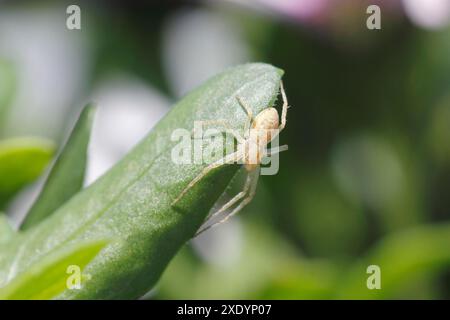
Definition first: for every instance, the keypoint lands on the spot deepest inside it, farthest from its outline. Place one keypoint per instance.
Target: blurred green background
(366, 180)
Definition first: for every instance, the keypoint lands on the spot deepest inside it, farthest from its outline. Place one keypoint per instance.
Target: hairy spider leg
(236, 156)
(253, 183)
(276, 150)
(222, 122)
(249, 112)
(284, 109)
(235, 199)
(228, 159)
(243, 193)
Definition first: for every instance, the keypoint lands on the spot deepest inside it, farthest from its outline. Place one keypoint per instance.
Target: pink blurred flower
(319, 12)
(429, 14)
(300, 9)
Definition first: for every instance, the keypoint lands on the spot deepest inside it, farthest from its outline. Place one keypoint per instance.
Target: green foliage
(412, 254)
(250, 260)
(67, 175)
(6, 230)
(48, 277)
(131, 204)
(22, 160)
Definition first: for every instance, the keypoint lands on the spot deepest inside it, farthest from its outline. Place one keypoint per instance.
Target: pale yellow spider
(250, 150)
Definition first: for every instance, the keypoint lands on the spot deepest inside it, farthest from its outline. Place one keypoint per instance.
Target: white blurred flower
(127, 110)
(223, 247)
(51, 64)
(429, 14)
(198, 44)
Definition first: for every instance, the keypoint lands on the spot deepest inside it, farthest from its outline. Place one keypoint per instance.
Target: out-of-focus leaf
(67, 175)
(306, 279)
(22, 160)
(402, 257)
(328, 224)
(439, 132)
(49, 277)
(132, 203)
(6, 230)
(234, 276)
(376, 171)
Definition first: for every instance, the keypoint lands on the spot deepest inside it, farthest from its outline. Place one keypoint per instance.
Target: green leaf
(67, 175)
(48, 278)
(401, 257)
(22, 160)
(6, 230)
(132, 202)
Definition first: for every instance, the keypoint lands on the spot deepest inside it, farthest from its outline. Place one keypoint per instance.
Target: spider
(251, 149)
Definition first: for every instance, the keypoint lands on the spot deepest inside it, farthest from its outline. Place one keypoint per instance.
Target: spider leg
(276, 150)
(235, 199)
(253, 182)
(222, 123)
(230, 158)
(249, 112)
(285, 107)
(245, 106)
